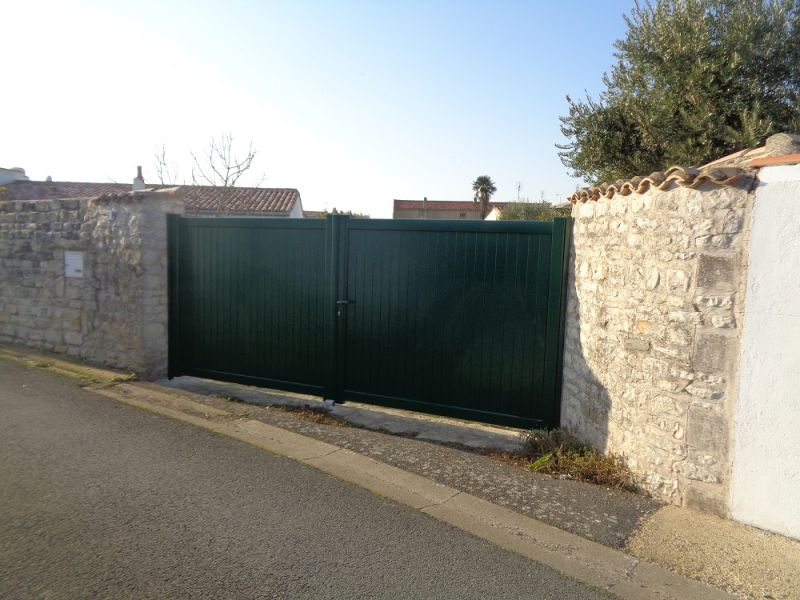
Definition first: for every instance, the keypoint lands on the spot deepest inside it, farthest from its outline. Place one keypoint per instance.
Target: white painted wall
(297, 210)
(765, 484)
(14, 174)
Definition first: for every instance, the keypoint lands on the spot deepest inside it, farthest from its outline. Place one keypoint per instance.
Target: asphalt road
(101, 500)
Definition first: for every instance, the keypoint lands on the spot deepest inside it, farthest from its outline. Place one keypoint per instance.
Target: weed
(228, 398)
(558, 453)
(315, 414)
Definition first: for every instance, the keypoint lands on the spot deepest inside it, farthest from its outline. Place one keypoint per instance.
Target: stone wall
(115, 312)
(652, 337)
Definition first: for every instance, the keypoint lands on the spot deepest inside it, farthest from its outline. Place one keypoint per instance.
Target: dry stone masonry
(654, 314)
(114, 311)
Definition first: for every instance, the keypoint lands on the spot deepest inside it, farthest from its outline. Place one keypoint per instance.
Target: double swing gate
(462, 318)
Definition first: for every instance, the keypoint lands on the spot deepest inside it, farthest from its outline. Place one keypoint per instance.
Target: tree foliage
(694, 80)
(484, 188)
(531, 211)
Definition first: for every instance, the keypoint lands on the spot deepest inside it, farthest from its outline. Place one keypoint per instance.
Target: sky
(354, 103)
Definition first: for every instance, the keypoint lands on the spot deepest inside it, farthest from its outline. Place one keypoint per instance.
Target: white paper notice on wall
(73, 264)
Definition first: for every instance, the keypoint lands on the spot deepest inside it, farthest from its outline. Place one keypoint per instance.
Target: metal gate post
(336, 311)
(556, 307)
(173, 298)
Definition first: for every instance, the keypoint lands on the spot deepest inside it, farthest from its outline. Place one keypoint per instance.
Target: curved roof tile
(684, 176)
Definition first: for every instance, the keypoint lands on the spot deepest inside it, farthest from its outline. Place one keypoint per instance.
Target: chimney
(138, 181)
(424, 207)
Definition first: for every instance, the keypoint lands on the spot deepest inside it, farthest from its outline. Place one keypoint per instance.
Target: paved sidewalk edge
(589, 562)
(60, 366)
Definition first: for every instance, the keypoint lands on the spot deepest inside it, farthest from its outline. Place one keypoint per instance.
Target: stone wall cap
(683, 176)
(138, 195)
(781, 148)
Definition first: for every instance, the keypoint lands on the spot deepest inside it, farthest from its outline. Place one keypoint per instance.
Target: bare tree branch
(218, 166)
(221, 166)
(167, 173)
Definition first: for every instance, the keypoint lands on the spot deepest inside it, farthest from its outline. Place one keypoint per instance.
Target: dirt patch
(744, 560)
(308, 412)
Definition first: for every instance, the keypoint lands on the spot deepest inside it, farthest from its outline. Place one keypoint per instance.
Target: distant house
(200, 200)
(443, 209)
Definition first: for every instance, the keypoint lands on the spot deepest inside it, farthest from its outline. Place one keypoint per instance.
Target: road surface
(102, 500)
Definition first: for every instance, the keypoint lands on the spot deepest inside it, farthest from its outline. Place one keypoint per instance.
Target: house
(443, 209)
(200, 200)
(12, 174)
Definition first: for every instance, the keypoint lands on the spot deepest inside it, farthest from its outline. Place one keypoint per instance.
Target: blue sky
(353, 103)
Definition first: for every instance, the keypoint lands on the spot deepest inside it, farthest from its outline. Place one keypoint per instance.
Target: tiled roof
(455, 205)
(724, 171)
(200, 199)
(239, 200)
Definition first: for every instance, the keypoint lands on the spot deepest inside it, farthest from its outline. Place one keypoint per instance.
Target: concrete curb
(577, 557)
(59, 366)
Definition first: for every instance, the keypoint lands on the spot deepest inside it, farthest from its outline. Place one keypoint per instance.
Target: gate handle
(340, 304)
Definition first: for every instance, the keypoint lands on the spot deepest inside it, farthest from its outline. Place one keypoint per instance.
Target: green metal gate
(450, 317)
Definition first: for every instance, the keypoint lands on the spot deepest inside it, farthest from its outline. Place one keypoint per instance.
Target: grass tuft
(560, 454)
(315, 414)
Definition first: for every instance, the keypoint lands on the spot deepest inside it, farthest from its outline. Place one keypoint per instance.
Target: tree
(531, 211)
(694, 80)
(220, 164)
(166, 172)
(323, 214)
(484, 188)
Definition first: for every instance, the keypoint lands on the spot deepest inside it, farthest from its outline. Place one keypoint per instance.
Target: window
(462, 215)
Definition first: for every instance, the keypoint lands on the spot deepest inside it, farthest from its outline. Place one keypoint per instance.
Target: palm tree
(483, 187)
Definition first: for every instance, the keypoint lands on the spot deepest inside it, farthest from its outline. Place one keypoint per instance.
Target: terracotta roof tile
(683, 176)
(784, 159)
(239, 200)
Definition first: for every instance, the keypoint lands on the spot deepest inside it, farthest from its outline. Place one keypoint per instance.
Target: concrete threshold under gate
(441, 430)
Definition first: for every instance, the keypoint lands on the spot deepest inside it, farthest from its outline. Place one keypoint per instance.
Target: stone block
(636, 344)
(676, 406)
(705, 497)
(713, 352)
(722, 320)
(704, 301)
(733, 220)
(707, 432)
(715, 272)
(73, 338)
(678, 280)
